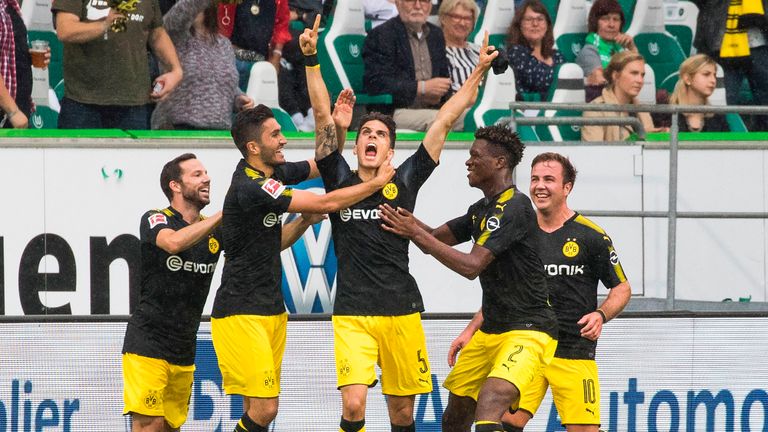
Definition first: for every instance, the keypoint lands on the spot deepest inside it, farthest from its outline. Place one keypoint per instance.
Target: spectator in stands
(743, 54)
(15, 68)
(604, 39)
(532, 52)
(379, 11)
(260, 32)
(695, 86)
(405, 57)
(457, 19)
(624, 75)
(106, 72)
(208, 93)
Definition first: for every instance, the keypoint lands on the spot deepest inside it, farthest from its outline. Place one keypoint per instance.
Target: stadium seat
(628, 7)
(496, 20)
(567, 88)
(570, 28)
(492, 101)
(659, 48)
(735, 122)
(648, 92)
(39, 22)
(551, 6)
(680, 21)
(340, 52)
(262, 87)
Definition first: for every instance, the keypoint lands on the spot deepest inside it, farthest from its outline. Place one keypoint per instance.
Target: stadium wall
(686, 373)
(69, 231)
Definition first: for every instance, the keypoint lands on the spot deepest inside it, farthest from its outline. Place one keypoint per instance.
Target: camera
(500, 63)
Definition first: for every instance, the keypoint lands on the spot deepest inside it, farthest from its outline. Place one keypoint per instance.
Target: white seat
(680, 20)
(262, 84)
(348, 19)
(37, 15)
(648, 92)
(718, 96)
(499, 91)
(570, 27)
(569, 88)
(496, 20)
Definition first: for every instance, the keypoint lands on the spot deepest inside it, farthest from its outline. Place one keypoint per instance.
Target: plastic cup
(37, 49)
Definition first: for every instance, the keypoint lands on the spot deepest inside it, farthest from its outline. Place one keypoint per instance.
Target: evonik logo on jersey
(359, 214)
(309, 265)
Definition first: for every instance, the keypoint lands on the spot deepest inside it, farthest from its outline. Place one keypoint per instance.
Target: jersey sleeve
(267, 193)
(607, 262)
(71, 6)
(152, 222)
(461, 227)
(292, 173)
(334, 171)
(504, 225)
(417, 168)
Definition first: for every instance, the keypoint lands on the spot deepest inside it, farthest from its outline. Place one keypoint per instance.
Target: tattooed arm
(326, 141)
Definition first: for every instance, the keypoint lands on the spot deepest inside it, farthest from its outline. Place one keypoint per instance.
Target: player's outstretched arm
(342, 115)
(307, 202)
(174, 242)
(325, 131)
(434, 140)
(402, 223)
(293, 230)
(592, 323)
(464, 337)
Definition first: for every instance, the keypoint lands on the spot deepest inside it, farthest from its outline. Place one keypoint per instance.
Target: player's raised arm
(342, 115)
(325, 131)
(434, 140)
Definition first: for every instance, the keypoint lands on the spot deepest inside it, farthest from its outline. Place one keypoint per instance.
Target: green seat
(683, 35)
(282, 117)
(664, 54)
(551, 6)
(44, 118)
(628, 7)
(570, 44)
(680, 21)
(340, 52)
(493, 101)
(567, 87)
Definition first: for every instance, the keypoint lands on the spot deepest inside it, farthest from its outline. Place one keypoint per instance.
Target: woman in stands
(603, 41)
(695, 86)
(457, 19)
(532, 52)
(209, 93)
(624, 80)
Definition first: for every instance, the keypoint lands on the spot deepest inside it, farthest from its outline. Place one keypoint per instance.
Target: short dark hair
(388, 121)
(247, 125)
(505, 140)
(172, 172)
(569, 171)
(601, 8)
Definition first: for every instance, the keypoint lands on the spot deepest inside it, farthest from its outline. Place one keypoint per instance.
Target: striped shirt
(8, 46)
(462, 61)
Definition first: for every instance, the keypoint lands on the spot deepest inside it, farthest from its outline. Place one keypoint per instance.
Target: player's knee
(263, 413)
(455, 421)
(143, 423)
(354, 408)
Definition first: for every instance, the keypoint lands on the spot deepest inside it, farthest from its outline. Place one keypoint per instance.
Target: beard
(194, 197)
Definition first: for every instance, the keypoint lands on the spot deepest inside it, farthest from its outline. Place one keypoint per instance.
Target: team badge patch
(570, 248)
(213, 245)
(156, 219)
(345, 369)
(273, 187)
(390, 191)
(269, 379)
(152, 399)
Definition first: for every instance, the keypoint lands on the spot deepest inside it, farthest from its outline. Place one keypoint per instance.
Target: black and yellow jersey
(252, 230)
(174, 288)
(514, 285)
(373, 276)
(575, 257)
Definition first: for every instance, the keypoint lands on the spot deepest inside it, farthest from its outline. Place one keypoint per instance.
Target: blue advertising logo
(309, 266)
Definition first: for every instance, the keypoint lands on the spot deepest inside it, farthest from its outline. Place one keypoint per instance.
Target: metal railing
(671, 214)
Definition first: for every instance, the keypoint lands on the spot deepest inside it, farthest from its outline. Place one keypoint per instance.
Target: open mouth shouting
(371, 151)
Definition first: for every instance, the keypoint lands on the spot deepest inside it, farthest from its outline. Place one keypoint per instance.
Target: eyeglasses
(417, 1)
(459, 18)
(531, 20)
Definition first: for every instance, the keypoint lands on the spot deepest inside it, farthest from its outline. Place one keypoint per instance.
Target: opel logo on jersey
(570, 248)
(175, 263)
(492, 224)
(359, 214)
(614, 257)
(270, 220)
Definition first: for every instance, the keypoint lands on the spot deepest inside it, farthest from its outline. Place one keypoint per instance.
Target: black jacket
(389, 62)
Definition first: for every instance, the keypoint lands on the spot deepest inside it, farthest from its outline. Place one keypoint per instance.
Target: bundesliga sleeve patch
(156, 219)
(273, 187)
